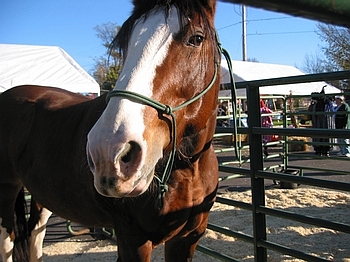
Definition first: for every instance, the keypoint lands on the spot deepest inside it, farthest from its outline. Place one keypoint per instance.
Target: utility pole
(244, 33)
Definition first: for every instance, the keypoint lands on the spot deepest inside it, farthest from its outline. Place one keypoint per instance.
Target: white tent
(43, 65)
(247, 71)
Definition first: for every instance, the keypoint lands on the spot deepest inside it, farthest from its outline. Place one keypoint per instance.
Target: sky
(271, 37)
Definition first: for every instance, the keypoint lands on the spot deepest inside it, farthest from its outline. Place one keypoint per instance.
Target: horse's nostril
(131, 152)
(126, 158)
(111, 182)
(103, 181)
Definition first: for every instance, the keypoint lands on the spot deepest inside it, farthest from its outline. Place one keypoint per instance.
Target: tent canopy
(248, 71)
(45, 66)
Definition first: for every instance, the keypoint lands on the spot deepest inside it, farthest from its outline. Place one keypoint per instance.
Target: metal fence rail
(258, 173)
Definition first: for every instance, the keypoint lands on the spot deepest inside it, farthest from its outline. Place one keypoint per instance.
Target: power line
(284, 33)
(256, 20)
(229, 26)
(271, 18)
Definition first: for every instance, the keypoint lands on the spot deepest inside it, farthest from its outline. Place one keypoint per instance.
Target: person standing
(266, 121)
(342, 121)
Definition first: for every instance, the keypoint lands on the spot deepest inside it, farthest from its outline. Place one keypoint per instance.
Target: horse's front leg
(181, 248)
(6, 243)
(37, 225)
(133, 246)
(8, 227)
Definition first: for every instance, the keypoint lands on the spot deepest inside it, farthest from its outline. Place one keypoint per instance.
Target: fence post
(256, 164)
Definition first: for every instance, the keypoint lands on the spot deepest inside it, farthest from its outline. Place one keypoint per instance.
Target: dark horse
(321, 103)
(142, 163)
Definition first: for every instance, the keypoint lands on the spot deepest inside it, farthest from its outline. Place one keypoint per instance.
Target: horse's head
(170, 57)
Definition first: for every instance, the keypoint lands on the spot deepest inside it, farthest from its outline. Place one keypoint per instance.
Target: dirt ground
(315, 202)
(325, 204)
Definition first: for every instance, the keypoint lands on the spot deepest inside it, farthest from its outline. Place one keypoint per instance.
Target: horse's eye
(195, 40)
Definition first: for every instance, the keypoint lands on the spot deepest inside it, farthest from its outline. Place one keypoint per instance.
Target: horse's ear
(211, 5)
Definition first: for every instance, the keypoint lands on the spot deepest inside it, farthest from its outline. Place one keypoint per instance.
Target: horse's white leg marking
(37, 236)
(6, 244)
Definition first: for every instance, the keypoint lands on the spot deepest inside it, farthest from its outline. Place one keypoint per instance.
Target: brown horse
(142, 164)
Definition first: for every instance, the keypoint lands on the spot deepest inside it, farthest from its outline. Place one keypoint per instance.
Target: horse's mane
(187, 9)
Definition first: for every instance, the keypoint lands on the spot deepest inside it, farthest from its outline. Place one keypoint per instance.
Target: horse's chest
(174, 216)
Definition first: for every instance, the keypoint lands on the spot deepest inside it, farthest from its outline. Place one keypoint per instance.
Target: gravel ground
(325, 204)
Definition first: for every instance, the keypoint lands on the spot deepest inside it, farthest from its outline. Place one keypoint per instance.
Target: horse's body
(103, 166)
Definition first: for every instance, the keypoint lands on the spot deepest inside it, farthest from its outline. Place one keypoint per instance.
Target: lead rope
(226, 54)
(233, 97)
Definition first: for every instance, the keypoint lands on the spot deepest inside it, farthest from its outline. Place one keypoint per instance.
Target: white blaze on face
(122, 121)
(148, 47)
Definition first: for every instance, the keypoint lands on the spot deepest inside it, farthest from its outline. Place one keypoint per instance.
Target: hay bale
(230, 139)
(299, 146)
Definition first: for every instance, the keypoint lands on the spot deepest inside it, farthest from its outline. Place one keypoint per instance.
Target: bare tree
(107, 67)
(314, 63)
(337, 50)
(336, 53)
